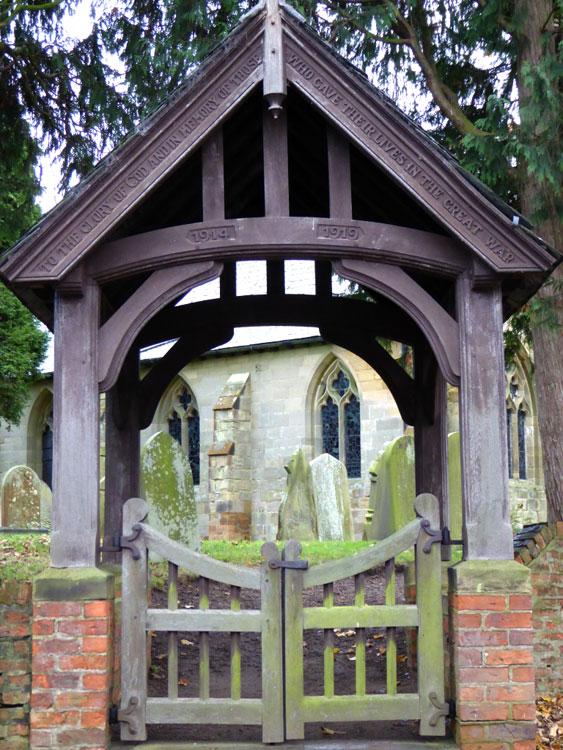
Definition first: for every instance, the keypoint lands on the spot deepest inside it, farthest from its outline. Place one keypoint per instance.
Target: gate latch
(294, 564)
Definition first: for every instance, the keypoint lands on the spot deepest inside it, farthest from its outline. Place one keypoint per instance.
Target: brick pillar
(72, 659)
(230, 508)
(491, 635)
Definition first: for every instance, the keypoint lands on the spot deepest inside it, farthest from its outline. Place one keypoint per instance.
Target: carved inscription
(142, 172)
(339, 232)
(212, 234)
(437, 193)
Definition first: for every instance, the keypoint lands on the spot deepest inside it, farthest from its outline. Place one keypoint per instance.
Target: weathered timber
(276, 187)
(359, 601)
(487, 529)
(173, 634)
(328, 643)
(275, 238)
(377, 554)
(197, 563)
(360, 707)
(293, 637)
(204, 664)
(210, 711)
(376, 616)
(236, 675)
(390, 635)
(213, 178)
(119, 332)
(441, 330)
(275, 84)
(198, 620)
(134, 633)
(339, 179)
(76, 407)
(272, 646)
(430, 648)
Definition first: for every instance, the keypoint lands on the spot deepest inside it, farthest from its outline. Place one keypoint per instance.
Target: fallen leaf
(161, 656)
(382, 650)
(183, 682)
(375, 637)
(335, 650)
(185, 642)
(402, 657)
(326, 730)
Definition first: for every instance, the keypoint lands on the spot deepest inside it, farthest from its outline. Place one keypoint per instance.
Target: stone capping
(73, 584)
(232, 392)
(529, 542)
(221, 449)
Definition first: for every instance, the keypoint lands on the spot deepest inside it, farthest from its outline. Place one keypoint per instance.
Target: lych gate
(276, 149)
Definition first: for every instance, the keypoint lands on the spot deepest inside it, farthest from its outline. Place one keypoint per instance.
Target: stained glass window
(521, 443)
(47, 455)
(509, 439)
(339, 407)
(183, 426)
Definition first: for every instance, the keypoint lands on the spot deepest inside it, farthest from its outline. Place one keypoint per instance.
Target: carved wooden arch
(118, 333)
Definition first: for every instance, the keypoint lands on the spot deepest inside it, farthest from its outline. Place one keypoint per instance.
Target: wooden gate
(283, 709)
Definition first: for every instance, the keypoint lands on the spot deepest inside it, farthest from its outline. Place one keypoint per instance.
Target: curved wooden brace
(118, 333)
(278, 237)
(398, 381)
(187, 348)
(381, 319)
(440, 329)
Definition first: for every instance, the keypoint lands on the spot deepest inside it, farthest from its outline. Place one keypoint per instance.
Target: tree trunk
(547, 340)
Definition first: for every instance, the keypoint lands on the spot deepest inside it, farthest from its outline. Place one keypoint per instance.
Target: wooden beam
(339, 178)
(213, 176)
(276, 185)
(440, 329)
(118, 333)
(487, 529)
(76, 482)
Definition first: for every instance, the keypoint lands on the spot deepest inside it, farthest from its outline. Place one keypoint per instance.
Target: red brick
(73, 738)
(64, 681)
(56, 646)
(95, 645)
(524, 745)
(522, 674)
(482, 675)
(82, 700)
(94, 719)
(485, 746)
(46, 719)
(495, 657)
(97, 609)
(14, 631)
(521, 637)
(483, 712)
(21, 647)
(95, 662)
(479, 602)
(471, 694)
(83, 627)
(520, 601)
(471, 732)
(16, 617)
(481, 638)
(43, 627)
(43, 663)
(95, 681)
(21, 665)
(469, 657)
(524, 712)
(40, 738)
(57, 609)
(41, 700)
(511, 693)
(509, 620)
(16, 679)
(466, 620)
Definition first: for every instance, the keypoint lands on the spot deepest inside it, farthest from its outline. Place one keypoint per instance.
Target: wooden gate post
(272, 655)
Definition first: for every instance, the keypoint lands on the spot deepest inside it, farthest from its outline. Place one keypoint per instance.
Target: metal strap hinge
(293, 564)
(126, 714)
(126, 542)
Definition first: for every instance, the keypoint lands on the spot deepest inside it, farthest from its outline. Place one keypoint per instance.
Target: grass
(23, 556)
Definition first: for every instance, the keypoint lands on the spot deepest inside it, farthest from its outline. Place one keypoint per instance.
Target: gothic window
(47, 451)
(521, 442)
(516, 413)
(183, 426)
(339, 406)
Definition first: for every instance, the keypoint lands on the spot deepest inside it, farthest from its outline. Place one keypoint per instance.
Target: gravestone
(167, 486)
(394, 490)
(45, 503)
(332, 499)
(21, 498)
(297, 518)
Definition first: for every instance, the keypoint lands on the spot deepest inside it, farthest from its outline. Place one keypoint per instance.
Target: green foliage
(22, 350)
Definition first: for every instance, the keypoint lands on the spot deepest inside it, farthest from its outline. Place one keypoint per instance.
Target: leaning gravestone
(45, 503)
(392, 501)
(332, 499)
(167, 486)
(21, 498)
(297, 518)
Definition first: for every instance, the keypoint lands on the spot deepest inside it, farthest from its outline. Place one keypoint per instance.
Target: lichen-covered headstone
(45, 504)
(167, 486)
(332, 499)
(454, 476)
(297, 518)
(21, 498)
(395, 489)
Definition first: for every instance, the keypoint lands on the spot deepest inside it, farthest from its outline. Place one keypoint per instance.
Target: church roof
(440, 196)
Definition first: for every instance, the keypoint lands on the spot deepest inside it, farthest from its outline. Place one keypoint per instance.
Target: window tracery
(338, 403)
(516, 416)
(183, 426)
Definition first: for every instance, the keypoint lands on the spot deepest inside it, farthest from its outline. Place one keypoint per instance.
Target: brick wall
(15, 664)
(540, 547)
